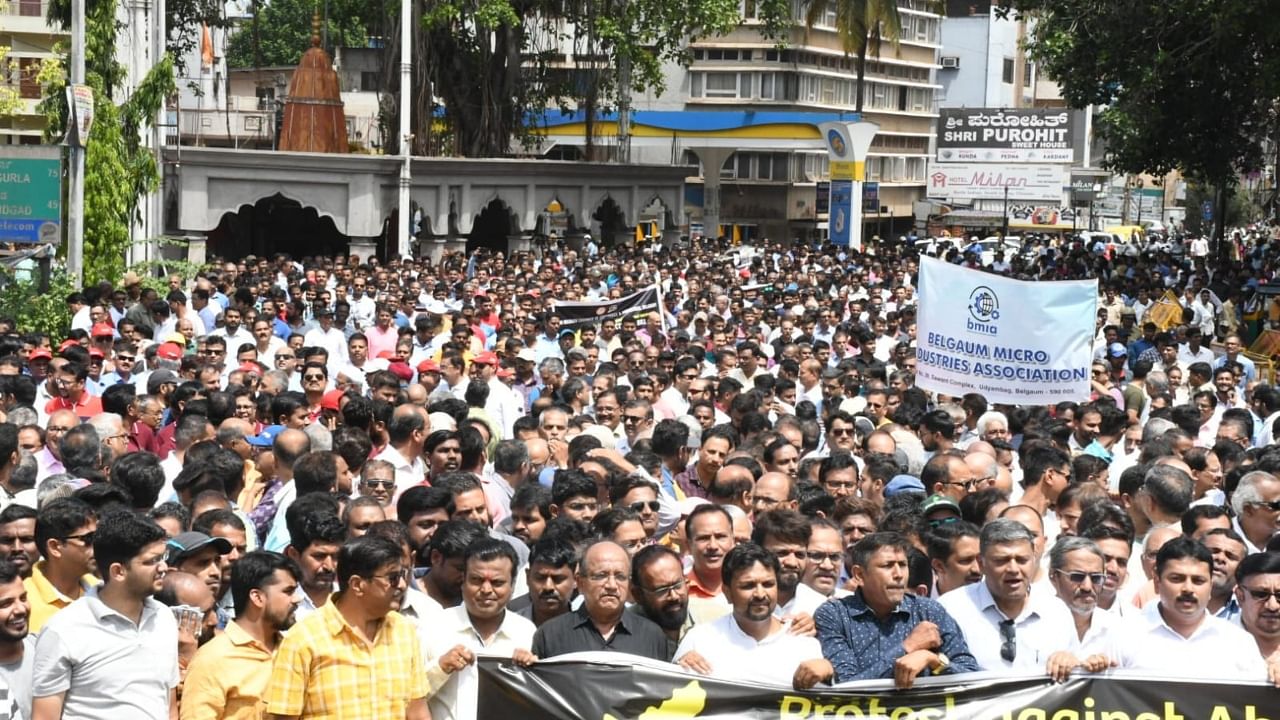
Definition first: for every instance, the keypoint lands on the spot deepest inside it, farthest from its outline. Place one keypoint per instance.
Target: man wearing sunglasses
(1077, 573)
(1258, 591)
(1256, 502)
(64, 535)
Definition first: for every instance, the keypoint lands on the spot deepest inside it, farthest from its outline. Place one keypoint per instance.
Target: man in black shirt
(601, 623)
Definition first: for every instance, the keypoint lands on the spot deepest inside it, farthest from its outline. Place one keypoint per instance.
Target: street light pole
(406, 177)
(75, 196)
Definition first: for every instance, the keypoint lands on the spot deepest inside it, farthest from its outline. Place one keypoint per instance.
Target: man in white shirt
(751, 643)
(232, 330)
(1177, 637)
(406, 434)
(481, 625)
(328, 337)
(1077, 571)
(1192, 351)
(1010, 624)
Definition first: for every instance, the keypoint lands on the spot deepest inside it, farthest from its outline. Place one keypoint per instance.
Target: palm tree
(863, 25)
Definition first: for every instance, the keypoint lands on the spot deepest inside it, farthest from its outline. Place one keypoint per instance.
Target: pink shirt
(380, 340)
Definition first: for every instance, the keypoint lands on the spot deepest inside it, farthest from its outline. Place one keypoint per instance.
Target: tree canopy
(1184, 84)
(281, 31)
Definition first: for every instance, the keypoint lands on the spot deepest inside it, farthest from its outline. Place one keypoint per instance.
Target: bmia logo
(836, 140)
(984, 311)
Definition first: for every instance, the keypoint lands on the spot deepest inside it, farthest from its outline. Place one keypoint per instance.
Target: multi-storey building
(770, 183)
(30, 40)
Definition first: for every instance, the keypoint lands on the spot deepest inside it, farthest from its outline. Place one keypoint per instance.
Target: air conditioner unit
(950, 62)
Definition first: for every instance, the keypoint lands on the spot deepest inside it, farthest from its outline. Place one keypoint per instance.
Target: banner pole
(662, 308)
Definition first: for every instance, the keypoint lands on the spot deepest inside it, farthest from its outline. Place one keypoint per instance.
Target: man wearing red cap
(429, 375)
(502, 404)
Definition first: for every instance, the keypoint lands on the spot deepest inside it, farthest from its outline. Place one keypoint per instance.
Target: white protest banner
(1015, 342)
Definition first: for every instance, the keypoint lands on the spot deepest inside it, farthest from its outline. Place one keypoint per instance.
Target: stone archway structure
(359, 192)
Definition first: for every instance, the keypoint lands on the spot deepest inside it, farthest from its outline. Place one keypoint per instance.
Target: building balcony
(27, 17)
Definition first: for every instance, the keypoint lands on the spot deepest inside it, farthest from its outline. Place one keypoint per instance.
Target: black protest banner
(574, 314)
(604, 691)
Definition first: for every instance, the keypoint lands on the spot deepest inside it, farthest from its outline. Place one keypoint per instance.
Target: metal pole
(406, 177)
(75, 209)
(1006, 212)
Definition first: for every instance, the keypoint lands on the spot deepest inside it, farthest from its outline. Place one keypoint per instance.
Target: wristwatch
(944, 662)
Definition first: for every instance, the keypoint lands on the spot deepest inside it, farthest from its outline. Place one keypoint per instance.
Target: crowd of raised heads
(323, 487)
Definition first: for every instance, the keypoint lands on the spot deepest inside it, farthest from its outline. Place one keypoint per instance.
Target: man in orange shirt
(71, 393)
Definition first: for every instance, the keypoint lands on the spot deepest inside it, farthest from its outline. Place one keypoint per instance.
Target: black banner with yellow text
(606, 691)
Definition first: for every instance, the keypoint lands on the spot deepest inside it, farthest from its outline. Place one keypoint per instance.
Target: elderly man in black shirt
(601, 623)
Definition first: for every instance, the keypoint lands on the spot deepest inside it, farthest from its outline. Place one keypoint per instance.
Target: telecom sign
(31, 194)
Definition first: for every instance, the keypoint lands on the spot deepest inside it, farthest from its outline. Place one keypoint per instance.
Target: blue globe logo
(984, 306)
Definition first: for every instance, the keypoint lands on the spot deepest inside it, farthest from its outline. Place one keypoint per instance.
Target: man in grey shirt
(89, 656)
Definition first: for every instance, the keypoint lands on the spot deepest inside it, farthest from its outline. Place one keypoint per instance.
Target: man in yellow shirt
(354, 657)
(64, 535)
(228, 676)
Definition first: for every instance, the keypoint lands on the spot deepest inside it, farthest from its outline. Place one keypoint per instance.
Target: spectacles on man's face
(641, 505)
(630, 419)
(374, 483)
(309, 378)
(1272, 505)
(665, 590)
(1261, 595)
(85, 538)
(1078, 577)
(394, 578)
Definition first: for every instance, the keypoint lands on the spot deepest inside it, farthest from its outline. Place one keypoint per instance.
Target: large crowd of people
(323, 487)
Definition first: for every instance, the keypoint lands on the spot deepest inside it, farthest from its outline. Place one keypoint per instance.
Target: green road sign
(31, 194)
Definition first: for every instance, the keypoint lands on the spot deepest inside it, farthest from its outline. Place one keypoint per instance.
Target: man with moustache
(751, 643)
(227, 678)
(709, 530)
(602, 623)
(1177, 637)
(1008, 622)
(881, 630)
(550, 580)
(18, 538)
(1258, 590)
(659, 591)
(1077, 573)
(17, 644)
(480, 626)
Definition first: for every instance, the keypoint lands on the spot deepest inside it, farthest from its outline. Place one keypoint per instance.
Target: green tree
(281, 31)
(1184, 84)
(862, 26)
(493, 61)
(118, 168)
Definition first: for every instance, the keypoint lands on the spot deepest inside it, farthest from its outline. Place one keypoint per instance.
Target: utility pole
(1005, 233)
(406, 138)
(75, 196)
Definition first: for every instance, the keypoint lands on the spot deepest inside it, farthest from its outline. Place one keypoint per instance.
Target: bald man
(185, 589)
(773, 491)
(880, 441)
(733, 485)
(417, 395)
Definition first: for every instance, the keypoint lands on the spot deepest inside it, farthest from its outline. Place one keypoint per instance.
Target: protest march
(645, 481)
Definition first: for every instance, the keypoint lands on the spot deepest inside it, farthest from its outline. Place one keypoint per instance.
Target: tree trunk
(862, 73)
